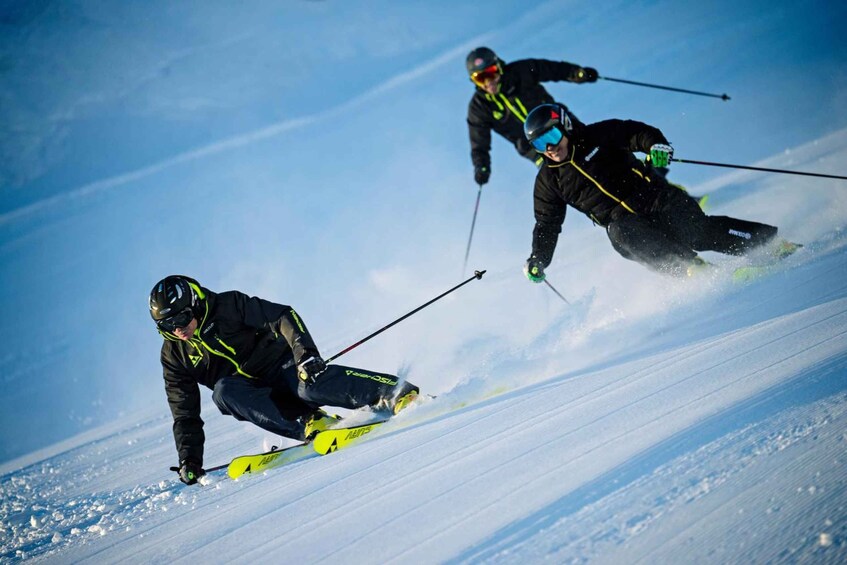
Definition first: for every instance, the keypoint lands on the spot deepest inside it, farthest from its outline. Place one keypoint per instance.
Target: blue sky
(316, 154)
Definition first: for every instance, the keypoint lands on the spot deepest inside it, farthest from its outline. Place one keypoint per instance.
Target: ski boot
(406, 394)
(318, 421)
(698, 267)
(404, 400)
(785, 248)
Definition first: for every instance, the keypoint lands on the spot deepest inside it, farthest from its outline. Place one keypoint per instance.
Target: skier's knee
(221, 395)
(619, 236)
(614, 232)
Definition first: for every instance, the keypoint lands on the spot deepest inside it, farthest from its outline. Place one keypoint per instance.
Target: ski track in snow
(599, 465)
(713, 434)
(761, 466)
(625, 457)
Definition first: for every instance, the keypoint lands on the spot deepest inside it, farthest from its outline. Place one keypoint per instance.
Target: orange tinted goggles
(486, 74)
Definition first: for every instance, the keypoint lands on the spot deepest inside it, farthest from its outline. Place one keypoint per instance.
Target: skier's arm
(480, 136)
(543, 70)
(550, 209)
(282, 320)
(628, 134)
(184, 401)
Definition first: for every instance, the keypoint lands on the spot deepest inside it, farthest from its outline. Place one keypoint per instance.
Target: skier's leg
(642, 240)
(687, 223)
(733, 236)
(349, 387)
(290, 406)
(250, 401)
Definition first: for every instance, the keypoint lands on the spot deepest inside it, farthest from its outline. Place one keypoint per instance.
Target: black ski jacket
(505, 112)
(238, 334)
(601, 178)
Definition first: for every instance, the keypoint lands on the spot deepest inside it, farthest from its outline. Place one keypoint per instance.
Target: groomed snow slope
(725, 443)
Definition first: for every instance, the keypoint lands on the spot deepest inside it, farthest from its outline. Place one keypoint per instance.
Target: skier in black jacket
(592, 169)
(505, 92)
(260, 362)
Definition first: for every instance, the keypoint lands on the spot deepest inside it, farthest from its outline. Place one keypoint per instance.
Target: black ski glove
(310, 369)
(481, 175)
(189, 472)
(586, 74)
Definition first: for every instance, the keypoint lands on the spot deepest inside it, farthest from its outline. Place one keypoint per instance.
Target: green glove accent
(661, 155)
(190, 472)
(534, 271)
(481, 175)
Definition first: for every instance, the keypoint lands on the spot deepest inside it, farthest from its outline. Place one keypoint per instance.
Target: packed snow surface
(315, 154)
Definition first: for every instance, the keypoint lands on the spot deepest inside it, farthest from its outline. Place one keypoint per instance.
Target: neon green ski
(334, 439)
(750, 273)
(264, 461)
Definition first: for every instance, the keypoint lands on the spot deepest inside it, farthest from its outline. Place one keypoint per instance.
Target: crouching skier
(261, 364)
(592, 169)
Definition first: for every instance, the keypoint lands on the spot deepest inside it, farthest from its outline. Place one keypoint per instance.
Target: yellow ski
(264, 461)
(334, 439)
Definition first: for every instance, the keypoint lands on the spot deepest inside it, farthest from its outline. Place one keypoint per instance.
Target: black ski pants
(668, 239)
(275, 404)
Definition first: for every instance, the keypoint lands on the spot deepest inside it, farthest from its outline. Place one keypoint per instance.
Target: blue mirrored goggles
(551, 137)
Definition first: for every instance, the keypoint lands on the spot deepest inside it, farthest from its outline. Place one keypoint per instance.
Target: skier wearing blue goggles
(592, 169)
(547, 127)
(552, 137)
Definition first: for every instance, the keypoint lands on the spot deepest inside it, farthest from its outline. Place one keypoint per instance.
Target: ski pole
(557, 292)
(721, 96)
(477, 275)
(757, 169)
(207, 470)
(473, 223)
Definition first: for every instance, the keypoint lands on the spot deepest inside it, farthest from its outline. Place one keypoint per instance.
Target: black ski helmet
(546, 116)
(479, 59)
(174, 294)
